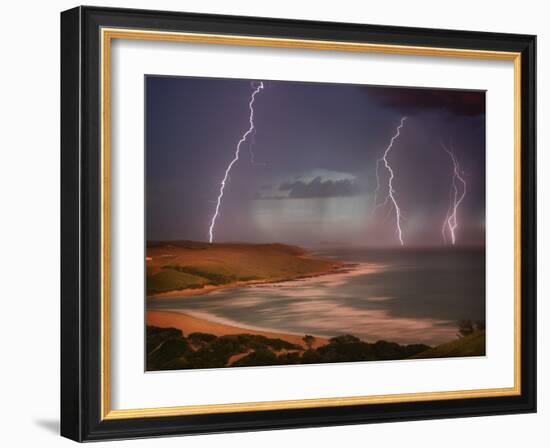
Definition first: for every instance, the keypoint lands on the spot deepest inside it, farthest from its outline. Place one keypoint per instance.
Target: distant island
(179, 268)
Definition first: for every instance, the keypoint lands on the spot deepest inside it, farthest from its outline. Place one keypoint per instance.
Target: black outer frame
(80, 224)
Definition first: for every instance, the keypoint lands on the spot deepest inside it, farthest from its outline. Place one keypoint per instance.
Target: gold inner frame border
(107, 35)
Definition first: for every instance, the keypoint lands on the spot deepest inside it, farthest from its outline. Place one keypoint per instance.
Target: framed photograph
(275, 224)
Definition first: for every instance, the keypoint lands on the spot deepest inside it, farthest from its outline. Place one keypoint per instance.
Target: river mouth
(404, 296)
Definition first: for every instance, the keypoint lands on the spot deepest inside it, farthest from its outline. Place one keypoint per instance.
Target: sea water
(401, 295)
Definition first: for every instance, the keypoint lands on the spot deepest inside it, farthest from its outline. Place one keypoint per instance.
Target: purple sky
(315, 148)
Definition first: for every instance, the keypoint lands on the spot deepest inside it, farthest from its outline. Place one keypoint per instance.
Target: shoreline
(190, 324)
(335, 268)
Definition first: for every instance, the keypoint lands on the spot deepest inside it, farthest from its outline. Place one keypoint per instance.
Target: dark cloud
(410, 101)
(319, 188)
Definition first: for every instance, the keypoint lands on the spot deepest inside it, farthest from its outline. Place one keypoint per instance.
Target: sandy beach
(188, 324)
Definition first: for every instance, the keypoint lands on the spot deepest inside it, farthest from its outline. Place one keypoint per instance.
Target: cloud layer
(460, 102)
(319, 188)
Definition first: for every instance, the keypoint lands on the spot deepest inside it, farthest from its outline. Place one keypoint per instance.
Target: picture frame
(87, 34)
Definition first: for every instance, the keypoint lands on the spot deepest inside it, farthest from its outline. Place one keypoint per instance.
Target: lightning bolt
(225, 179)
(390, 197)
(451, 222)
(251, 151)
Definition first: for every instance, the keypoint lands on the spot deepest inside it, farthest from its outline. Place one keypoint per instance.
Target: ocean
(400, 295)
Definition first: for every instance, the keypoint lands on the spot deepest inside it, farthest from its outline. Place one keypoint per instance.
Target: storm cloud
(468, 103)
(318, 144)
(319, 188)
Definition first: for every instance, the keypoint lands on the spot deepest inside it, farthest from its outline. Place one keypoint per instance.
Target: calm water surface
(406, 296)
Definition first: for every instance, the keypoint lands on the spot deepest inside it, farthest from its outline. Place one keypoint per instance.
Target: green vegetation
(209, 276)
(168, 280)
(309, 341)
(471, 345)
(165, 346)
(168, 348)
(466, 327)
(190, 265)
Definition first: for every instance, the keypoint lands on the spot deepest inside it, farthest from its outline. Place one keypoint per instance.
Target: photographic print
(292, 223)
(287, 202)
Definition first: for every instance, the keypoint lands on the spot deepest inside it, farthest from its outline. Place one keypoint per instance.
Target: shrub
(167, 352)
(260, 357)
(311, 357)
(388, 350)
(480, 325)
(465, 328)
(198, 338)
(344, 339)
(156, 336)
(415, 349)
(308, 340)
(289, 358)
(347, 348)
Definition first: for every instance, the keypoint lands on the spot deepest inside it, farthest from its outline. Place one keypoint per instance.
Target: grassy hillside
(472, 345)
(168, 279)
(191, 265)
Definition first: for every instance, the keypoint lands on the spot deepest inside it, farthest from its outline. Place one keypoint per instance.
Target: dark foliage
(168, 348)
(311, 357)
(465, 328)
(259, 357)
(480, 325)
(309, 340)
(345, 349)
(156, 335)
(200, 338)
(165, 348)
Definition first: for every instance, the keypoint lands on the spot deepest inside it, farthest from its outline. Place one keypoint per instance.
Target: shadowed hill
(471, 345)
